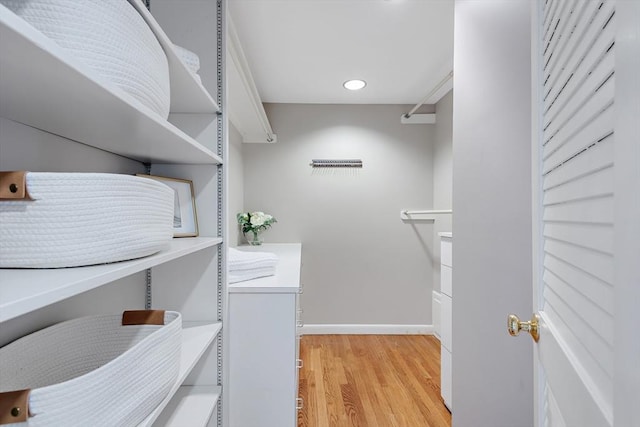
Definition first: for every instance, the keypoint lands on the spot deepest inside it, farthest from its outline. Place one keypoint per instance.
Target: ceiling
(301, 51)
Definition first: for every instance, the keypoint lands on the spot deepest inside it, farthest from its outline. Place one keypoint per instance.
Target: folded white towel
(245, 260)
(236, 276)
(190, 59)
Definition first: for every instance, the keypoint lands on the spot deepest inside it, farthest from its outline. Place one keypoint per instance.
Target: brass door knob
(515, 325)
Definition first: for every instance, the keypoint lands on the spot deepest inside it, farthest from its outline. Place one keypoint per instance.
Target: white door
(586, 233)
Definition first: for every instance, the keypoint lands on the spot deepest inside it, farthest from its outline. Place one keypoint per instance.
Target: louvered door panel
(597, 184)
(599, 157)
(595, 263)
(581, 51)
(581, 340)
(555, 33)
(590, 236)
(577, 212)
(596, 290)
(593, 131)
(552, 411)
(560, 43)
(596, 211)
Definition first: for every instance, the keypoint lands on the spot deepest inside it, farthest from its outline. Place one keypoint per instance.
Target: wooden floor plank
(371, 381)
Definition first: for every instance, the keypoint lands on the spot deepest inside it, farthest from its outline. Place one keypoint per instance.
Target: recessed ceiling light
(354, 84)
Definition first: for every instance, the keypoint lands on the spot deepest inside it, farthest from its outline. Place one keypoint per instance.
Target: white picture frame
(185, 222)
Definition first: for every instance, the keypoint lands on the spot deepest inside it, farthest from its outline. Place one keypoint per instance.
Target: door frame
(536, 196)
(626, 392)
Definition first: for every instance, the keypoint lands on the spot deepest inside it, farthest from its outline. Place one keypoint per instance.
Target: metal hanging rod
(428, 215)
(324, 163)
(430, 94)
(427, 212)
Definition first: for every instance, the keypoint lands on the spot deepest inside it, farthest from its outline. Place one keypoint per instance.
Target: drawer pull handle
(299, 403)
(299, 363)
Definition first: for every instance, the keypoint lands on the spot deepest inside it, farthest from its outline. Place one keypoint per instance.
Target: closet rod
(430, 94)
(240, 60)
(427, 212)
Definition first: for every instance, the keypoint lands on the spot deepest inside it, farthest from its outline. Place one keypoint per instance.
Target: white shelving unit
(192, 403)
(45, 87)
(196, 339)
(188, 95)
(42, 86)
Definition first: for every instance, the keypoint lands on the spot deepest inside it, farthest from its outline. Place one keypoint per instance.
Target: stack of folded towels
(250, 265)
(190, 59)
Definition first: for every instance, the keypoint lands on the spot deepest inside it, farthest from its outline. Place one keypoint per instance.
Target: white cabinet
(57, 115)
(446, 300)
(263, 344)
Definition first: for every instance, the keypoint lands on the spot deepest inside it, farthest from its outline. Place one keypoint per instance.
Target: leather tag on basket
(14, 406)
(143, 317)
(13, 185)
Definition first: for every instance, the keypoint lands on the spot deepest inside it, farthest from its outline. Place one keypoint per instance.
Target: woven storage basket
(111, 38)
(77, 219)
(93, 371)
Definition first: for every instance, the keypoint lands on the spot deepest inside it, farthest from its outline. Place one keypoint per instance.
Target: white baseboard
(356, 329)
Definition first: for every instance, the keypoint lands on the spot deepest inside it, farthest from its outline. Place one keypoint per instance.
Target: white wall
(492, 372)
(442, 175)
(235, 200)
(362, 264)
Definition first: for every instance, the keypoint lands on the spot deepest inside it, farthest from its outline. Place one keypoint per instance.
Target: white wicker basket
(78, 219)
(93, 371)
(109, 36)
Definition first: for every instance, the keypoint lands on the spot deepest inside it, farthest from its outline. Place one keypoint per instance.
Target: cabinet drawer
(446, 286)
(446, 378)
(437, 316)
(445, 323)
(446, 256)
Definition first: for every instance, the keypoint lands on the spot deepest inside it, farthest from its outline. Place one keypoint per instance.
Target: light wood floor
(372, 381)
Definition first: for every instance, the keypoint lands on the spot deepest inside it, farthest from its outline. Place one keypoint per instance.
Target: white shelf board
(188, 95)
(191, 405)
(44, 86)
(196, 338)
(25, 290)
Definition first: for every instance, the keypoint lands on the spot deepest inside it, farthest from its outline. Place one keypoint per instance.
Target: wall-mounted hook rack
(325, 163)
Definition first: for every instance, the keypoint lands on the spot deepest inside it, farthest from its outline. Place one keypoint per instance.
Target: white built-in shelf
(188, 95)
(196, 339)
(191, 405)
(44, 86)
(26, 290)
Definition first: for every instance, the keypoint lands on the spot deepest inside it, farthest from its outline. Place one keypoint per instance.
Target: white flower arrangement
(255, 221)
